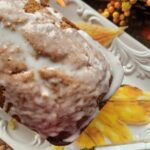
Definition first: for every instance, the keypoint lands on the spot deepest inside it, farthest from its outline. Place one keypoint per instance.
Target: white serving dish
(135, 59)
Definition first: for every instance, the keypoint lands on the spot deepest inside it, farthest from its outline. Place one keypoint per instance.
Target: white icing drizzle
(5, 4)
(18, 40)
(113, 61)
(54, 13)
(78, 43)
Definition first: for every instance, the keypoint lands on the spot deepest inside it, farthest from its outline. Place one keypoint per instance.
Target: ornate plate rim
(37, 143)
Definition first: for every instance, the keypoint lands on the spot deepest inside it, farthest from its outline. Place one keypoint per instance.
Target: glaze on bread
(52, 76)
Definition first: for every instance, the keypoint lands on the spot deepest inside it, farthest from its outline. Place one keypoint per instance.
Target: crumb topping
(33, 6)
(44, 2)
(50, 73)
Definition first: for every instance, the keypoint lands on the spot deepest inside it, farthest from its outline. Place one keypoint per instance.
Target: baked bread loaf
(51, 77)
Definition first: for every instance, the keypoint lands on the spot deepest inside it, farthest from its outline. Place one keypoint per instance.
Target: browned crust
(32, 6)
(2, 98)
(68, 24)
(4, 146)
(44, 2)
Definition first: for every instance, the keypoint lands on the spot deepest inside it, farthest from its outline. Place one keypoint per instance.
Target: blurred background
(135, 14)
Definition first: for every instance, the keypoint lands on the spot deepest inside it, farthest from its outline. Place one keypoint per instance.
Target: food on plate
(52, 78)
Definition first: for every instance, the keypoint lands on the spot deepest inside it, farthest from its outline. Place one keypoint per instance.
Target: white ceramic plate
(135, 59)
